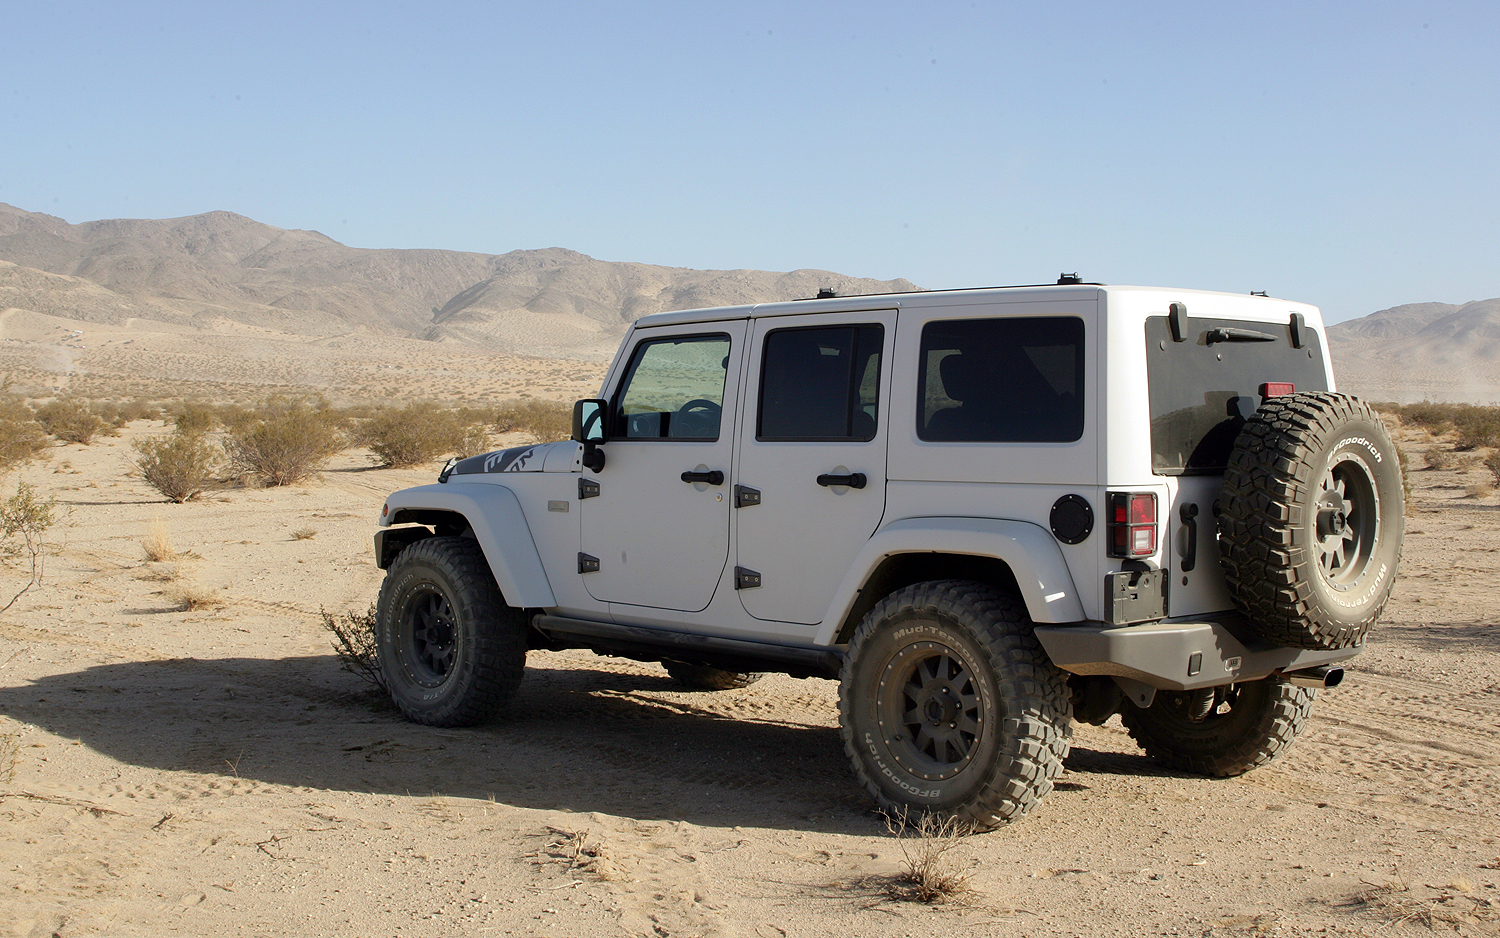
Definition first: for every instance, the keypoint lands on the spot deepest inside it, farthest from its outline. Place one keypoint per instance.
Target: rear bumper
(1171, 655)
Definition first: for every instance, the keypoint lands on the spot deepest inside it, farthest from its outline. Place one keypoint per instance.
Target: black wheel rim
(1346, 518)
(929, 707)
(428, 637)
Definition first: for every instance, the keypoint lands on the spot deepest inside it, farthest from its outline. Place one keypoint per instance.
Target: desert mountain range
(192, 297)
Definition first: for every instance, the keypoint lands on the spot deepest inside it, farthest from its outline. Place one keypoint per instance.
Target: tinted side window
(1001, 380)
(674, 389)
(820, 383)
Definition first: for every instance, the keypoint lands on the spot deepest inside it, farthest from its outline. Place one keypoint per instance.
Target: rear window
(1203, 388)
(1001, 380)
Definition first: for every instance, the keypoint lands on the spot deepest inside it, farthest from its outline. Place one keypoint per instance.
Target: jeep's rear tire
(948, 705)
(1311, 520)
(1246, 725)
(700, 677)
(451, 649)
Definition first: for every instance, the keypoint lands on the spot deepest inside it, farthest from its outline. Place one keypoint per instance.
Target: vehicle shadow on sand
(576, 740)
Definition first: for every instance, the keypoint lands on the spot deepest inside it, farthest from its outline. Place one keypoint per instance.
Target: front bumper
(1171, 655)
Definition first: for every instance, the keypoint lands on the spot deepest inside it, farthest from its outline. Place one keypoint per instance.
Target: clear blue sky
(1343, 154)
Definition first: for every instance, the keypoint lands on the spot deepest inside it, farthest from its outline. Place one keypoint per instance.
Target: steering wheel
(699, 417)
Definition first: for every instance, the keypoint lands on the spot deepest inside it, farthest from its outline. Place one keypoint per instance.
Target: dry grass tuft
(1452, 907)
(192, 597)
(929, 874)
(1481, 489)
(304, 534)
(158, 543)
(579, 852)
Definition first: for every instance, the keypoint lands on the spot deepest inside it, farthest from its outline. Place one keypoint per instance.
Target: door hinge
(587, 563)
(587, 488)
(745, 496)
(746, 579)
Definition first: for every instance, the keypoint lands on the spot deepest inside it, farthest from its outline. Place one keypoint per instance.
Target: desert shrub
(542, 421)
(473, 440)
(70, 420)
(1478, 427)
(286, 441)
(354, 643)
(1475, 425)
(1492, 463)
(139, 409)
(24, 520)
(195, 417)
(21, 436)
(179, 465)
(1440, 459)
(416, 434)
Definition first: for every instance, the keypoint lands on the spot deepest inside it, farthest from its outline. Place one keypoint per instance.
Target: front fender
(1028, 549)
(494, 514)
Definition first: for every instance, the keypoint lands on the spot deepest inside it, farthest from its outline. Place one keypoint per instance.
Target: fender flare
(1028, 549)
(499, 525)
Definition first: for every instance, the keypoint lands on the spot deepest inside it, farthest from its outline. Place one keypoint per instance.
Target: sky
(1341, 154)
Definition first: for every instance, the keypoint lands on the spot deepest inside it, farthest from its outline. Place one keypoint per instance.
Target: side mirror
(588, 429)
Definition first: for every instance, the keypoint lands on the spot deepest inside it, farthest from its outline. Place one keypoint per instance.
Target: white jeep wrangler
(987, 513)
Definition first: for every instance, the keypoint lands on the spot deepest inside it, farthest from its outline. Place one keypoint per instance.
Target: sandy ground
(214, 772)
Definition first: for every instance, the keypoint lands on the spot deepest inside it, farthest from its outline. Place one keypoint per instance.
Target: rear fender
(1029, 550)
(494, 515)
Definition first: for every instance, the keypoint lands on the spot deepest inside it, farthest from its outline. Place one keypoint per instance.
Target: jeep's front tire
(948, 705)
(1221, 731)
(451, 650)
(1311, 520)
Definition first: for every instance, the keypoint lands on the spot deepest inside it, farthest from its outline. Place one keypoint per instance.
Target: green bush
(284, 441)
(21, 436)
(24, 519)
(542, 421)
(70, 420)
(195, 417)
(420, 433)
(180, 465)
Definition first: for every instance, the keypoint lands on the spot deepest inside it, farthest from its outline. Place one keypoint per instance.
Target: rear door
(810, 483)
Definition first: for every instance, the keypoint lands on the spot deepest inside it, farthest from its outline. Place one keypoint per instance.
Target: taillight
(1132, 524)
(1276, 389)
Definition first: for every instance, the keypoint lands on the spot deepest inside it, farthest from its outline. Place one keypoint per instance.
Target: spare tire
(1311, 520)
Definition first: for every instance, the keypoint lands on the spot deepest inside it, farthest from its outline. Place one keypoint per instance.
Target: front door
(657, 531)
(811, 475)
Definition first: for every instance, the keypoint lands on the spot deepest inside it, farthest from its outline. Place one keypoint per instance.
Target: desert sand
(215, 772)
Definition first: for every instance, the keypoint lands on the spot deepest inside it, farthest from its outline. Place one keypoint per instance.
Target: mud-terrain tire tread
(702, 677)
(1269, 557)
(1272, 715)
(1032, 700)
(490, 640)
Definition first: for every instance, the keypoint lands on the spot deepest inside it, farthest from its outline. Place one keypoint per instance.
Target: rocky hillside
(1422, 351)
(216, 267)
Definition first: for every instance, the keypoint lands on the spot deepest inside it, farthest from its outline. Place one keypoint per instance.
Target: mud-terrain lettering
(1365, 596)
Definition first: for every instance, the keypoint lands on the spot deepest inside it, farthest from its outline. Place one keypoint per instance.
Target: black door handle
(855, 480)
(1189, 514)
(711, 476)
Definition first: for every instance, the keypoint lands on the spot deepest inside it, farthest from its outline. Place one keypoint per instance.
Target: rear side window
(1204, 387)
(820, 383)
(1001, 380)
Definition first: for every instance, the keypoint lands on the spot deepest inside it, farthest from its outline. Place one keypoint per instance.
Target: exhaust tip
(1321, 676)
